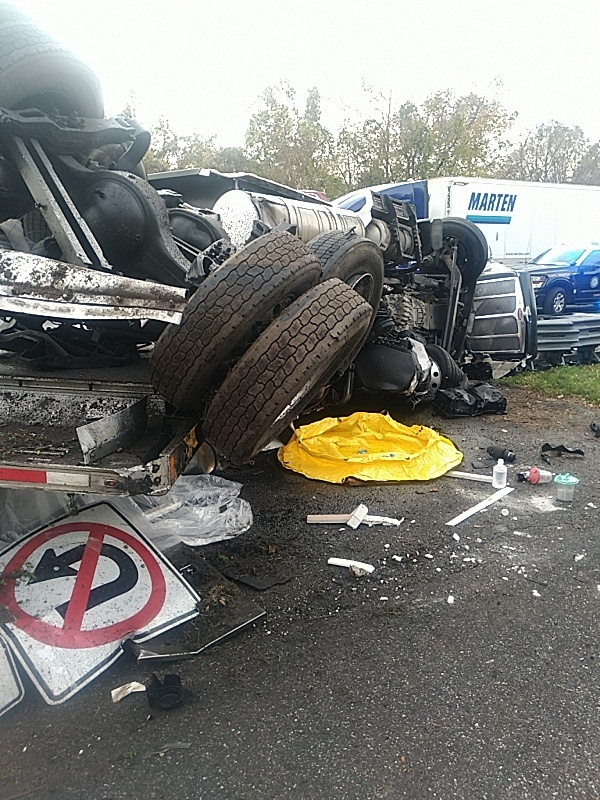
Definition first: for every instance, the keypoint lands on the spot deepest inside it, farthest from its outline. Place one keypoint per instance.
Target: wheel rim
(364, 285)
(558, 304)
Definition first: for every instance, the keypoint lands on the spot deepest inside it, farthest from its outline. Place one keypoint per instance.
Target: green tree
(232, 159)
(287, 145)
(195, 151)
(446, 135)
(551, 152)
(588, 169)
(165, 148)
(466, 134)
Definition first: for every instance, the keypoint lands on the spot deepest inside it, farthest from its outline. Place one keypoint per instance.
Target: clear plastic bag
(197, 510)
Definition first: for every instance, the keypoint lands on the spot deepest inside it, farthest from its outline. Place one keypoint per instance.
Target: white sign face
(11, 688)
(82, 585)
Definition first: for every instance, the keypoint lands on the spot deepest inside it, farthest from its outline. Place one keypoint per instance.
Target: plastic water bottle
(499, 474)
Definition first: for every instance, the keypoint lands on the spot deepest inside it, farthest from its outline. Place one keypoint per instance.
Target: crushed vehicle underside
(254, 304)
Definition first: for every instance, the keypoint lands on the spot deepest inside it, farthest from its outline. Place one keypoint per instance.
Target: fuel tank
(239, 211)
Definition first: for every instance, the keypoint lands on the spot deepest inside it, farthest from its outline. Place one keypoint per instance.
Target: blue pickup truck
(565, 276)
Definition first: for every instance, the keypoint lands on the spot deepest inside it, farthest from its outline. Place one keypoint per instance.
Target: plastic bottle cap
(566, 479)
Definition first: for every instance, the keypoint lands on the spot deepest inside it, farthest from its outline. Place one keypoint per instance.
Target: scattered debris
(358, 572)
(167, 694)
(474, 400)
(197, 510)
(499, 474)
(469, 476)
(565, 487)
(169, 746)
(373, 519)
(127, 688)
(535, 475)
(579, 557)
(505, 512)
(559, 450)
(313, 519)
(357, 516)
(536, 593)
(225, 610)
(354, 519)
(480, 506)
(352, 565)
(497, 451)
(450, 599)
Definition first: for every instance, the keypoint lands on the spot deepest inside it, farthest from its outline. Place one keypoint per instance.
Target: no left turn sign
(93, 581)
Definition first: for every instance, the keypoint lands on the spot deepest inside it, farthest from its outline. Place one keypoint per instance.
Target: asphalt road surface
(377, 686)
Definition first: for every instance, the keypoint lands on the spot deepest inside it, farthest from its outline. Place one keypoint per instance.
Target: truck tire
(355, 260)
(473, 248)
(284, 369)
(326, 244)
(555, 302)
(36, 71)
(226, 314)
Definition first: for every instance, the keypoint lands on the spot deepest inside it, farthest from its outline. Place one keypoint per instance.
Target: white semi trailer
(519, 219)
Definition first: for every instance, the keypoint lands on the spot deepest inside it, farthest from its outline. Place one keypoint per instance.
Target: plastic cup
(565, 487)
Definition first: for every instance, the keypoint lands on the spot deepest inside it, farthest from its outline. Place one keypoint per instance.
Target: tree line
(445, 135)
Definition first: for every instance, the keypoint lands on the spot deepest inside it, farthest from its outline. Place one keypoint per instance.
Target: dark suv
(564, 275)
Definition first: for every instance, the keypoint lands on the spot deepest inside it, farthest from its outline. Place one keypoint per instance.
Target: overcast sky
(203, 65)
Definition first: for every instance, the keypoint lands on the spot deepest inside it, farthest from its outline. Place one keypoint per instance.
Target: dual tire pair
(265, 332)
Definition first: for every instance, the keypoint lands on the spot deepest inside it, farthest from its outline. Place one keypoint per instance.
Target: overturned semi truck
(149, 321)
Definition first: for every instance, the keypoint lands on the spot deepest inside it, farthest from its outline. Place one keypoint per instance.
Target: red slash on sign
(71, 635)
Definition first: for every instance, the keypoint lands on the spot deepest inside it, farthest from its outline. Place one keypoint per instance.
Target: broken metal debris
(224, 611)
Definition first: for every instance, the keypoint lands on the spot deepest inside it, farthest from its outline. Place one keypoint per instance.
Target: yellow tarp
(370, 447)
